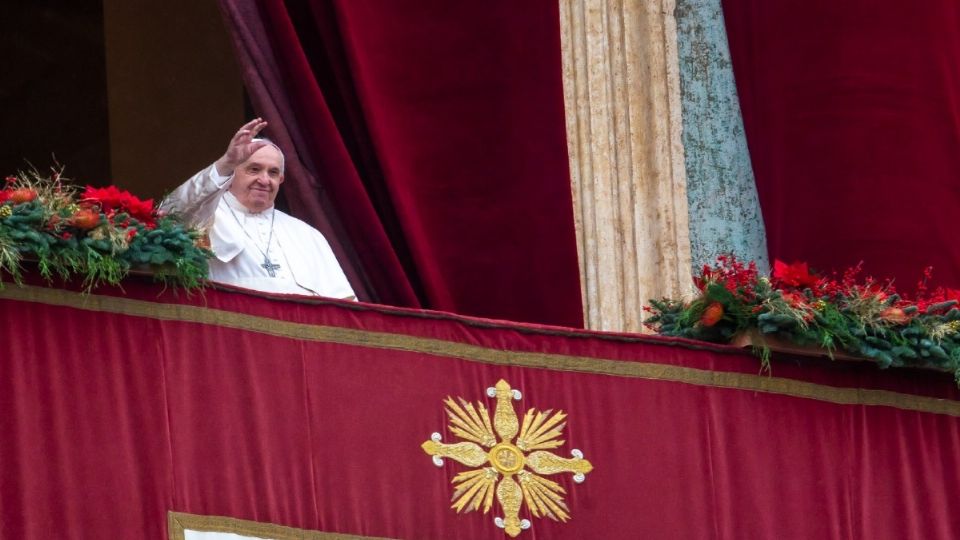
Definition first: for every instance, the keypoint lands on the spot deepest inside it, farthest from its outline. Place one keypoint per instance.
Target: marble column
(621, 86)
(724, 210)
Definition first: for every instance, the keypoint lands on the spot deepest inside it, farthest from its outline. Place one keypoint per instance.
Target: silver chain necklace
(267, 265)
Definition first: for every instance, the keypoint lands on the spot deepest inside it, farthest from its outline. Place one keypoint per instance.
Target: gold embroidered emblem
(503, 469)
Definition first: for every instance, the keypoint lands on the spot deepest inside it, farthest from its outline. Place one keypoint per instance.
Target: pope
(255, 245)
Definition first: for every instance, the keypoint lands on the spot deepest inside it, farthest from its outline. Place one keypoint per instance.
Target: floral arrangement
(858, 316)
(99, 235)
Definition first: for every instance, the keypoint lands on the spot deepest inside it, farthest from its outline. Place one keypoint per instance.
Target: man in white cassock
(256, 246)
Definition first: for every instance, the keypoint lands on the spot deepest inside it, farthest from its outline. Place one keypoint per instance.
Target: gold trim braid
(474, 353)
(179, 522)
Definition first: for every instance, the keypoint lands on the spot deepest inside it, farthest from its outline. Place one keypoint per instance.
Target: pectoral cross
(270, 267)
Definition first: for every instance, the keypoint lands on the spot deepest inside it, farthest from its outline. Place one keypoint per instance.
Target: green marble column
(724, 211)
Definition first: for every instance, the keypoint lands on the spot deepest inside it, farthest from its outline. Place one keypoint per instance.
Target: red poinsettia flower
(113, 200)
(793, 275)
(951, 294)
(5, 195)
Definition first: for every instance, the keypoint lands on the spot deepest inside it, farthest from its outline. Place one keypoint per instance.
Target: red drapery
(436, 132)
(852, 114)
(116, 408)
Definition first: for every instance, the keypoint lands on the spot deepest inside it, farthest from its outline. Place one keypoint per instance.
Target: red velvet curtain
(434, 135)
(852, 114)
(118, 407)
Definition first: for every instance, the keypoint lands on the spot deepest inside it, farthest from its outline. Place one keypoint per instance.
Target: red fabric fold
(437, 132)
(117, 408)
(278, 79)
(852, 115)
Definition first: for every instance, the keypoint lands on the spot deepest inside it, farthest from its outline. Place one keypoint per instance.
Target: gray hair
(283, 158)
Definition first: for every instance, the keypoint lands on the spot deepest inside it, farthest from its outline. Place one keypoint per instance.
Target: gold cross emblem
(511, 468)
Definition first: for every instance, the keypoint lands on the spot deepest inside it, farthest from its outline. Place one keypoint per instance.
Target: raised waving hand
(241, 146)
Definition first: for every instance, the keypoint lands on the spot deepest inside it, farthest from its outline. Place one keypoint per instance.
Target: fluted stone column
(621, 87)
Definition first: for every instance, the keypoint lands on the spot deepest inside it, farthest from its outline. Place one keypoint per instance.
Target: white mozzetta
(240, 239)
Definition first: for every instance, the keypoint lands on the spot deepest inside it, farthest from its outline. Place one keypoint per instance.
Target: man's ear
(281, 180)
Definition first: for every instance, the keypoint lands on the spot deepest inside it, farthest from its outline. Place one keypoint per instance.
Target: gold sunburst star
(503, 469)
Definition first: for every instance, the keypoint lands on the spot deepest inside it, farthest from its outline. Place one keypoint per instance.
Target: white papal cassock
(239, 239)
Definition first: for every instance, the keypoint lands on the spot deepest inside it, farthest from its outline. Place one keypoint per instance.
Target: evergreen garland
(861, 317)
(98, 235)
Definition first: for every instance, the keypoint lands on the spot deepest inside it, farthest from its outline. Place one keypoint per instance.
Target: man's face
(256, 180)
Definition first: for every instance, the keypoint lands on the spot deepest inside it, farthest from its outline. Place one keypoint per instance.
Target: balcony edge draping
(121, 406)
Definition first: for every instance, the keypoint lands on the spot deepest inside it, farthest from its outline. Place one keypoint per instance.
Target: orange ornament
(202, 241)
(85, 219)
(712, 314)
(894, 315)
(22, 195)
